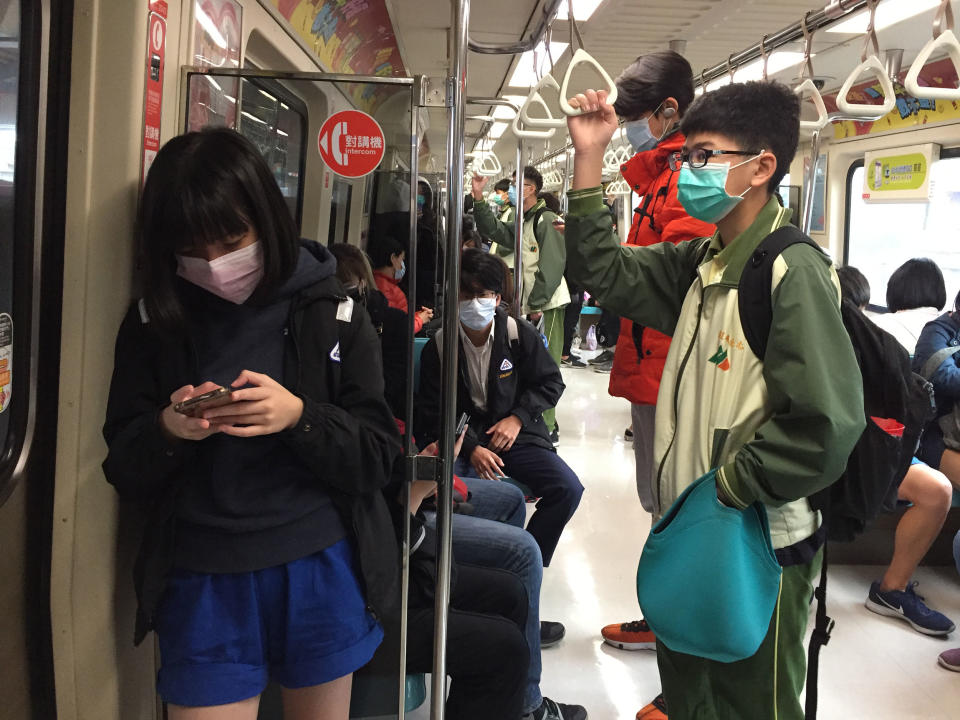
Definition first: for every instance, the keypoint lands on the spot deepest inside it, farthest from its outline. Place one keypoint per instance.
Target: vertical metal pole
(456, 99)
(518, 233)
(408, 449)
(809, 182)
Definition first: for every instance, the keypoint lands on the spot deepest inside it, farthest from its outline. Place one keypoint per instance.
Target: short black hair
(651, 79)
(532, 174)
(854, 286)
(756, 115)
(915, 284)
(503, 185)
(204, 187)
(480, 271)
(381, 248)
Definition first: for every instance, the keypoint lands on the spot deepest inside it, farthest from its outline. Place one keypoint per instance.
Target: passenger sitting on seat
(264, 550)
(506, 380)
(389, 266)
(929, 493)
(915, 295)
(775, 430)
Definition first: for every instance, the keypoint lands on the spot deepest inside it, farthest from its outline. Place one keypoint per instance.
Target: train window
(276, 121)
(881, 237)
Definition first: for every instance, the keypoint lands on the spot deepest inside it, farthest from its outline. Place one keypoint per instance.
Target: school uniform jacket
(523, 380)
(776, 430)
(642, 351)
(346, 435)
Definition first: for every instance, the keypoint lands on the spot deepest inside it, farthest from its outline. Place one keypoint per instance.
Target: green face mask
(703, 191)
(497, 199)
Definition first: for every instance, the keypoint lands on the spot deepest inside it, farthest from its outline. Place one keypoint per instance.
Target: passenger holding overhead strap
(765, 433)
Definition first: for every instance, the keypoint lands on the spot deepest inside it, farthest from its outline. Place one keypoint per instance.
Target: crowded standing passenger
(545, 293)
(268, 544)
(928, 493)
(773, 431)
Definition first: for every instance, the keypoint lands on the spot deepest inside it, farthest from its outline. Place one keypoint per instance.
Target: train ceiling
(620, 30)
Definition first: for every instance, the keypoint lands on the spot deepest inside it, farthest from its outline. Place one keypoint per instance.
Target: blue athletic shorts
(222, 636)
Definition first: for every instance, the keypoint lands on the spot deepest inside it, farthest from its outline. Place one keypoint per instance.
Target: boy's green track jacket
(777, 430)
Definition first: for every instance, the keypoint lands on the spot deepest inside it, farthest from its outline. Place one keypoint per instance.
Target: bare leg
(950, 466)
(929, 491)
(243, 710)
(329, 701)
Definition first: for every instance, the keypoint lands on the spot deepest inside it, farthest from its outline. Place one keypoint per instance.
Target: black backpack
(879, 460)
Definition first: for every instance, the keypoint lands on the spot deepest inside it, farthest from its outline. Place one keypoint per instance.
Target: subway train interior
(377, 118)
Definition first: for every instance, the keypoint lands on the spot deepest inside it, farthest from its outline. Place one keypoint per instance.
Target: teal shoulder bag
(708, 579)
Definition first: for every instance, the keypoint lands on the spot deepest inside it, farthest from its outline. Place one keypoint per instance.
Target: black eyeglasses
(698, 157)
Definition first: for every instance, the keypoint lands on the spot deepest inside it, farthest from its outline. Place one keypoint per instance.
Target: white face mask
(476, 314)
(233, 276)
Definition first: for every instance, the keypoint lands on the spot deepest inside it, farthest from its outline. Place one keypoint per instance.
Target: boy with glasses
(774, 430)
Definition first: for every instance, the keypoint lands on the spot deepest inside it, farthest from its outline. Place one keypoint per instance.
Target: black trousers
(571, 318)
(487, 655)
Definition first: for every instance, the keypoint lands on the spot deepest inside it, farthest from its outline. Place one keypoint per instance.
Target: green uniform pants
(553, 329)
(766, 686)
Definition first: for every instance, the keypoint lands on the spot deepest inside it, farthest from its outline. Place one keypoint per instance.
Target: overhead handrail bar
(807, 85)
(944, 38)
(535, 97)
(870, 61)
(524, 45)
(581, 57)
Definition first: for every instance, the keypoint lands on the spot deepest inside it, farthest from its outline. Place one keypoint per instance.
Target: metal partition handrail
(944, 38)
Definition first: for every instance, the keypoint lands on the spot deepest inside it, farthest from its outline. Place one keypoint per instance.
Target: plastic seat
(418, 345)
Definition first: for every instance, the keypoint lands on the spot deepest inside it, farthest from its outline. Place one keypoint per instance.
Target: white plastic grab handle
(613, 159)
(823, 118)
(874, 64)
(948, 41)
(489, 165)
(535, 97)
(618, 187)
(581, 57)
(531, 134)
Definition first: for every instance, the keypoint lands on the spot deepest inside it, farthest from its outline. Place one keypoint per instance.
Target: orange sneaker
(635, 635)
(657, 710)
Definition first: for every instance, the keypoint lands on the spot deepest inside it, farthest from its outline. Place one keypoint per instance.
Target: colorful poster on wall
(899, 174)
(910, 112)
(153, 84)
(354, 37)
(217, 37)
(6, 360)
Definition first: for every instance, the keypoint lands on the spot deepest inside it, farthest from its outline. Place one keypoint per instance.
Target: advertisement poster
(899, 174)
(153, 87)
(353, 37)
(6, 360)
(217, 26)
(910, 112)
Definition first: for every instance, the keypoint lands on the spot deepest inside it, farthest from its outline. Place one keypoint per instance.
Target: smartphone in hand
(462, 425)
(194, 407)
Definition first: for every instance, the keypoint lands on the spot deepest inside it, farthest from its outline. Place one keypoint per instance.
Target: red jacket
(395, 297)
(641, 352)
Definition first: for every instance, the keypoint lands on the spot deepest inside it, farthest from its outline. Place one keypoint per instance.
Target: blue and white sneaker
(908, 606)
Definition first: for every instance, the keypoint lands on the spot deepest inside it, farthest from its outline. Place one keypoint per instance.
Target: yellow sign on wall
(899, 175)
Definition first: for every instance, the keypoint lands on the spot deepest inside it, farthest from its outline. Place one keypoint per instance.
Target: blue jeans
(494, 537)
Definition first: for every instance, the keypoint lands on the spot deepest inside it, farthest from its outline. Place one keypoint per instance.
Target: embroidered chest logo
(720, 358)
(506, 365)
(335, 353)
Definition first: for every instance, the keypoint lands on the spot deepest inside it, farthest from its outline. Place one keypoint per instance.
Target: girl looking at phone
(268, 548)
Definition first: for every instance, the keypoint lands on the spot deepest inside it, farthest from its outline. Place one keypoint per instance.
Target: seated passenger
(389, 266)
(493, 536)
(929, 493)
(505, 384)
(915, 295)
(264, 552)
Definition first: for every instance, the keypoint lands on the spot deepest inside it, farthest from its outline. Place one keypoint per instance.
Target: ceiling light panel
(582, 10)
(525, 74)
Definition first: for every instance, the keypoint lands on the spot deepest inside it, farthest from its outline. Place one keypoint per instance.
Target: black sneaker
(555, 437)
(604, 367)
(573, 362)
(551, 633)
(604, 357)
(550, 710)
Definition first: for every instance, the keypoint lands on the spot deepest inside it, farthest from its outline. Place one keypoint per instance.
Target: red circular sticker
(351, 143)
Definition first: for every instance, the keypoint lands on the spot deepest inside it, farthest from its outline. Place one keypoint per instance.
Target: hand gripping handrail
(582, 57)
(870, 61)
(535, 97)
(943, 38)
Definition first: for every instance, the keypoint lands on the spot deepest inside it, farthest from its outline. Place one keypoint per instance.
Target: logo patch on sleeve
(335, 353)
(506, 365)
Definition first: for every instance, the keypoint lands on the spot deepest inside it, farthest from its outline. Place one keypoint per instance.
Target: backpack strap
(701, 255)
(513, 332)
(936, 360)
(754, 295)
(818, 638)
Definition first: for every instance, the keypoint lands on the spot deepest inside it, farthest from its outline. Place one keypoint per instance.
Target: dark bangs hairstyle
(755, 115)
(533, 175)
(203, 187)
(503, 185)
(915, 284)
(854, 286)
(381, 250)
(480, 271)
(650, 80)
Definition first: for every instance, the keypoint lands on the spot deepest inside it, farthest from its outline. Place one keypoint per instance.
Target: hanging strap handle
(530, 134)
(765, 56)
(489, 164)
(870, 61)
(582, 57)
(944, 38)
(535, 97)
(823, 117)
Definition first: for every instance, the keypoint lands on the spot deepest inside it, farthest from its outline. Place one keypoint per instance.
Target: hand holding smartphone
(195, 406)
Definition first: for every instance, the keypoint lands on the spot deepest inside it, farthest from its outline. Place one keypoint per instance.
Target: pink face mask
(233, 276)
